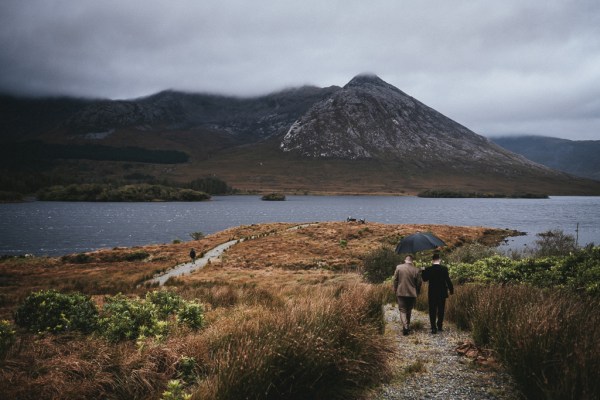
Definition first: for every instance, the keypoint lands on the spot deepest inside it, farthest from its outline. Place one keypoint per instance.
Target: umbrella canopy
(418, 242)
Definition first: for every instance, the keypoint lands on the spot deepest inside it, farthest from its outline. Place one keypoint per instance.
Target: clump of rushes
(548, 338)
(323, 345)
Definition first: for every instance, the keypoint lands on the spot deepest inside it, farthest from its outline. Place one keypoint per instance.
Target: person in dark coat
(193, 255)
(439, 286)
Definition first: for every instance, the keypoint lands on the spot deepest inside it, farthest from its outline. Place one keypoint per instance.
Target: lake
(58, 228)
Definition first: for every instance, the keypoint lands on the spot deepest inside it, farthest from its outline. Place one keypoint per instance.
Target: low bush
(166, 302)
(7, 337)
(380, 264)
(125, 318)
(554, 243)
(470, 252)
(578, 271)
(191, 314)
(197, 235)
(52, 311)
(130, 318)
(175, 391)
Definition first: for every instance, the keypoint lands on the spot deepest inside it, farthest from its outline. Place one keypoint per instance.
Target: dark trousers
(437, 306)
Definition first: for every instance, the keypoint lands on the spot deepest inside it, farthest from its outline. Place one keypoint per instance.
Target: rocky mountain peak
(369, 118)
(365, 79)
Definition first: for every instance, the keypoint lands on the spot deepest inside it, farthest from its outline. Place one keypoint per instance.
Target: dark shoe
(434, 331)
(440, 329)
(405, 332)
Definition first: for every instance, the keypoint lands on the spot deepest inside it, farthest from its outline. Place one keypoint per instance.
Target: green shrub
(52, 311)
(175, 391)
(167, 303)
(136, 256)
(186, 369)
(197, 235)
(7, 337)
(191, 314)
(577, 271)
(470, 252)
(380, 264)
(123, 318)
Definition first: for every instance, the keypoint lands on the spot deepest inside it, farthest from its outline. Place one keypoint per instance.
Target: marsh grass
(321, 343)
(549, 339)
(311, 331)
(326, 345)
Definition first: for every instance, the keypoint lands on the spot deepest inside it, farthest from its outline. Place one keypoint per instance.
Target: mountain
(370, 118)
(579, 158)
(365, 137)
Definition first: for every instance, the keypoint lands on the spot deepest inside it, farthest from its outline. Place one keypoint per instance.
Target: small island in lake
(273, 197)
(450, 194)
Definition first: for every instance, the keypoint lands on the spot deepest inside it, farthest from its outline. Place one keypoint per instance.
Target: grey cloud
(496, 67)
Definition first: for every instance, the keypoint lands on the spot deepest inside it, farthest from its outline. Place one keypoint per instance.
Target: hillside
(577, 157)
(367, 137)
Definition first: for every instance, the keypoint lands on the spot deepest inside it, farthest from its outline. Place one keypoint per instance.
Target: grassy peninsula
(290, 311)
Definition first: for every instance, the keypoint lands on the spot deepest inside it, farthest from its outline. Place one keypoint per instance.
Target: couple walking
(407, 285)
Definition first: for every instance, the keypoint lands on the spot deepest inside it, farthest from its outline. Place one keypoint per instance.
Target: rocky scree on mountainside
(370, 118)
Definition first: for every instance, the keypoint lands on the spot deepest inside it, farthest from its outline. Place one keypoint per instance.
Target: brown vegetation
(286, 305)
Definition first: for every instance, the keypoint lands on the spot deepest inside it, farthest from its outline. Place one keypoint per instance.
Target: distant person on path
(439, 285)
(407, 285)
(193, 255)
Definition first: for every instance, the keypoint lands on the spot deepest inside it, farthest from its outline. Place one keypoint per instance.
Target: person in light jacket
(407, 285)
(439, 285)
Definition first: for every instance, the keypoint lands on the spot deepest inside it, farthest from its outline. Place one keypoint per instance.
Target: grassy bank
(286, 314)
(325, 342)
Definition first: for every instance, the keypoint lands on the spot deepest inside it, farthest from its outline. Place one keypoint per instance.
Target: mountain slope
(367, 137)
(370, 118)
(579, 158)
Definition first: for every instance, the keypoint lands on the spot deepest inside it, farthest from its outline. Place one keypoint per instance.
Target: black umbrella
(418, 242)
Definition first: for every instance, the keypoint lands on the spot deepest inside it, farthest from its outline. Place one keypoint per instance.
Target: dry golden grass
(282, 303)
(274, 254)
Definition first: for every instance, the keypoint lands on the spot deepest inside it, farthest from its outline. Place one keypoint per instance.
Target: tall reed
(549, 339)
(321, 346)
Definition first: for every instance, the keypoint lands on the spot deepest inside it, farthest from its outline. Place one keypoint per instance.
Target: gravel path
(430, 367)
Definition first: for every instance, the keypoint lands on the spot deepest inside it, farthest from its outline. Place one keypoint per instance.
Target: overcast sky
(497, 67)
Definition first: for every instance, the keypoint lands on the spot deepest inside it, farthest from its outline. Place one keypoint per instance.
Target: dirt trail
(209, 256)
(430, 367)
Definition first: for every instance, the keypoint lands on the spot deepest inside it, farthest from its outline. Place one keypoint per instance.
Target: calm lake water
(57, 228)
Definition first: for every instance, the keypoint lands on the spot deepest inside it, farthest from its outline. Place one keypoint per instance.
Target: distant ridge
(365, 137)
(577, 157)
